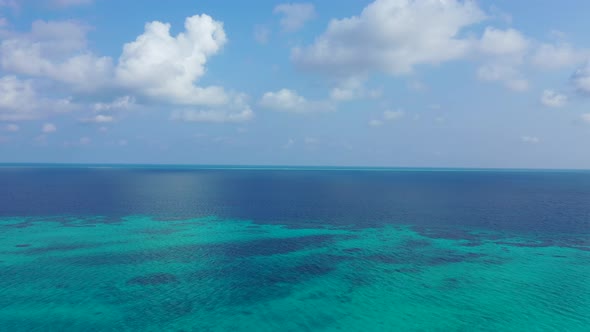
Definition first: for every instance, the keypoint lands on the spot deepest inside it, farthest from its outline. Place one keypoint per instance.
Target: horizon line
(273, 167)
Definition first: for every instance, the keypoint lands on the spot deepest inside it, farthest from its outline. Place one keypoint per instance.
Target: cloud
(581, 79)
(19, 100)
(552, 98)
(236, 111)
(295, 15)
(551, 56)
(375, 123)
(48, 128)
(498, 42)
(261, 34)
(286, 100)
(121, 103)
(585, 117)
(530, 139)
(392, 36)
(156, 65)
(100, 118)
(55, 50)
(216, 116)
(387, 116)
(503, 53)
(506, 74)
(167, 67)
(352, 88)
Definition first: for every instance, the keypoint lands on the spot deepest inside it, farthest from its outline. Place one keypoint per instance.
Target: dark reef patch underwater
(197, 249)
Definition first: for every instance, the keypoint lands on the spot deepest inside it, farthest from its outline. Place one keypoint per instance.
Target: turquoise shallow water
(208, 249)
(219, 274)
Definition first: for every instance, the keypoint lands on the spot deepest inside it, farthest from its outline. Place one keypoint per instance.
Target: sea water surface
(262, 249)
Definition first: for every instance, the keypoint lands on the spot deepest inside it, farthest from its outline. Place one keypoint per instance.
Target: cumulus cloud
(530, 139)
(295, 15)
(48, 128)
(55, 50)
(504, 73)
(498, 42)
(503, 52)
(167, 67)
(156, 65)
(19, 100)
(556, 56)
(551, 98)
(392, 36)
(121, 103)
(585, 117)
(286, 100)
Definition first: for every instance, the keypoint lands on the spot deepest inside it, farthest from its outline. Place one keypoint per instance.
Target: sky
(387, 83)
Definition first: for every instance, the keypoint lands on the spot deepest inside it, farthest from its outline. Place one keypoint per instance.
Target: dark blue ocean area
(184, 248)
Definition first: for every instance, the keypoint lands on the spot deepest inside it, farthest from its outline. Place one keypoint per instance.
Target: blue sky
(425, 83)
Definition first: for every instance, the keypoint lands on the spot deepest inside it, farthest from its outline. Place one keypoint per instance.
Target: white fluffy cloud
(19, 100)
(556, 56)
(503, 52)
(121, 103)
(156, 65)
(295, 15)
(48, 128)
(286, 100)
(508, 42)
(504, 73)
(167, 67)
(55, 50)
(392, 36)
(551, 98)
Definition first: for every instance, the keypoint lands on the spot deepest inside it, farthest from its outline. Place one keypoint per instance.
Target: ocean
(172, 248)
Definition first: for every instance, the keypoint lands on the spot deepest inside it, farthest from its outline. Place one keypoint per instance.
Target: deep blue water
(535, 201)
